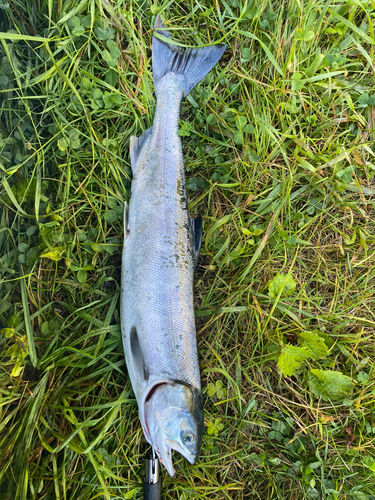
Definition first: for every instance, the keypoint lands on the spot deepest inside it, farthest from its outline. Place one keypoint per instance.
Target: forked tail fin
(193, 64)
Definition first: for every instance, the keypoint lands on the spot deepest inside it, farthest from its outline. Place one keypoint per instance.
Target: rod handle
(151, 491)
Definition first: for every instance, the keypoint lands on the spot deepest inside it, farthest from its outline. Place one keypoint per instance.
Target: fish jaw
(190, 457)
(165, 456)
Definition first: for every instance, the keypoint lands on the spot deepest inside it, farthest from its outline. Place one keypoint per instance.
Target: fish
(160, 254)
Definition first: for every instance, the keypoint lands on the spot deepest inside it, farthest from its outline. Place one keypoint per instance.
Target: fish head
(174, 418)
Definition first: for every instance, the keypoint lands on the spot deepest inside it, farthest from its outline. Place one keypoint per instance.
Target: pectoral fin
(138, 362)
(196, 237)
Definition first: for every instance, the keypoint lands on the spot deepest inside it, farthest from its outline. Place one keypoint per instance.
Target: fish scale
(166, 261)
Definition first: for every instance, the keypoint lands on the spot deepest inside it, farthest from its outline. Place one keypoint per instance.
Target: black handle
(151, 491)
(151, 481)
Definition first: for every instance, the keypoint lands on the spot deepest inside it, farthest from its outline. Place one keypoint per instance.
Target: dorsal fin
(138, 362)
(196, 233)
(136, 146)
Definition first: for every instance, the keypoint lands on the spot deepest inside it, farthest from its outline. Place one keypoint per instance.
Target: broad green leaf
(75, 143)
(86, 84)
(3, 80)
(81, 276)
(54, 254)
(315, 344)
(303, 35)
(111, 44)
(240, 122)
(111, 77)
(359, 495)
(211, 389)
(369, 462)
(78, 31)
(275, 461)
(155, 9)
(108, 459)
(296, 82)
(62, 144)
(115, 52)
(362, 377)
(111, 99)
(330, 385)
(95, 104)
(185, 130)
(253, 158)
(315, 465)
(221, 391)
(113, 203)
(283, 284)
(211, 120)
(97, 94)
(246, 54)
(86, 21)
(108, 58)
(363, 100)
(116, 99)
(215, 427)
(248, 129)
(238, 137)
(291, 358)
(105, 34)
(345, 174)
(110, 216)
(7, 332)
(31, 230)
(17, 369)
(23, 247)
(104, 247)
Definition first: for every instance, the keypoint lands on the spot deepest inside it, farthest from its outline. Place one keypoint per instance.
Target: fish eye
(188, 438)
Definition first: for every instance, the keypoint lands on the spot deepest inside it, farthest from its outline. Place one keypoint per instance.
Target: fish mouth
(165, 455)
(190, 457)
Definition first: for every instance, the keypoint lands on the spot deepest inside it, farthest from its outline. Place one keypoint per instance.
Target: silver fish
(160, 253)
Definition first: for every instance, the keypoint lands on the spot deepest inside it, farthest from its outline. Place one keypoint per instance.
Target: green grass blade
(28, 327)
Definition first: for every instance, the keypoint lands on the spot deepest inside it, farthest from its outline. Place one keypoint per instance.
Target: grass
(278, 145)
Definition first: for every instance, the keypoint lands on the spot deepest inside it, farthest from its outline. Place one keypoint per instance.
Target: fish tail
(193, 64)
